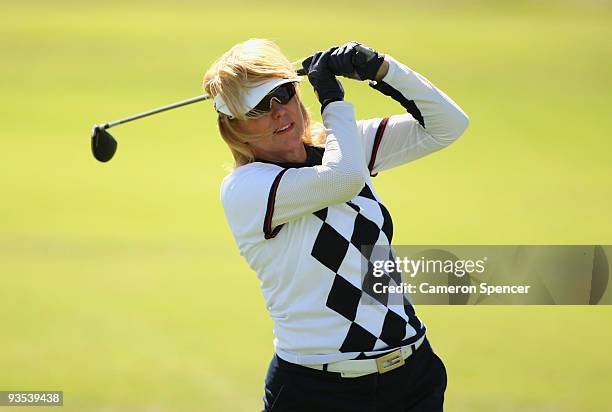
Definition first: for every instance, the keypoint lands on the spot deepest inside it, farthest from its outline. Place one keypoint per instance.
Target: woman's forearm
(441, 117)
(338, 179)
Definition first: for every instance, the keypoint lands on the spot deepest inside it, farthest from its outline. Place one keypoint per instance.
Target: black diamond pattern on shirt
(321, 214)
(394, 328)
(344, 298)
(394, 274)
(413, 320)
(330, 247)
(354, 206)
(365, 232)
(369, 280)
(371, 225)
(367, 193)
(387, 226)
(357, 339)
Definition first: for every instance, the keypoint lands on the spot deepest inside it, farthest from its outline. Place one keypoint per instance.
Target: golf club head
(103, 145)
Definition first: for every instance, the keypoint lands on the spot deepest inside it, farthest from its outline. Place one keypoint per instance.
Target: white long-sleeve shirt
(301, 227)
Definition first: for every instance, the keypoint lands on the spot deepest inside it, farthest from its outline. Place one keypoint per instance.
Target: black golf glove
(355, 61)
(326, 86)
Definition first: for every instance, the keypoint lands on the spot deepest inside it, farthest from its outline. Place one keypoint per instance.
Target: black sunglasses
(282, 94)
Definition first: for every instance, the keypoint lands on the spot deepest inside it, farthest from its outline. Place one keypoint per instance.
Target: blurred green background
(121, 284)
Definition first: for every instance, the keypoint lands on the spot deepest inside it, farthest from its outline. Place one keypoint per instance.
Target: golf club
(104, 145)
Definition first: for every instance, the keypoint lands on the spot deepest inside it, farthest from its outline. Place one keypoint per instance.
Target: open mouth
(286, 128)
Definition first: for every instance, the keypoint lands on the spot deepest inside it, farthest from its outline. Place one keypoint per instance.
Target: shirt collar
(314, 157)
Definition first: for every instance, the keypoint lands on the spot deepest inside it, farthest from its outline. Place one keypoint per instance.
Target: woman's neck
(298, 155)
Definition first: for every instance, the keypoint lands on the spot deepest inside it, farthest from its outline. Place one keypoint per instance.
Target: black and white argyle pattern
(344, 245)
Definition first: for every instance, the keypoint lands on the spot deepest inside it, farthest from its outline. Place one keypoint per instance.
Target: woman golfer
(303, 210)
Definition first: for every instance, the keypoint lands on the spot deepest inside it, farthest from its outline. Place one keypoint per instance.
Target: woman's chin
(293, 139)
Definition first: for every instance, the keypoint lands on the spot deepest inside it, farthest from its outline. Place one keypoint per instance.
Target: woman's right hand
(326, 86)
(356, 61)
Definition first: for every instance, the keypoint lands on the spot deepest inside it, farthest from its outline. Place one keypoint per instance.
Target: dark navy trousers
(418, 385)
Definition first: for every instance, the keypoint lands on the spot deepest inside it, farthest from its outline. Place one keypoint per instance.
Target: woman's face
(282, 130)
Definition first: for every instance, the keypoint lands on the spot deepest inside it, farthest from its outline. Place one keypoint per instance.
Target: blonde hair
(241, 67)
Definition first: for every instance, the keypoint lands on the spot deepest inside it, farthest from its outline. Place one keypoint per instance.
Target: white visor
(253, 95)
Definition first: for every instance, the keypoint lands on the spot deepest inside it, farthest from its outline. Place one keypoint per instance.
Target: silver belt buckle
(390, 361)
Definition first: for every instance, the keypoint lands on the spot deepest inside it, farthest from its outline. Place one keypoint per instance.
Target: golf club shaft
(158, 110)
(163, 109)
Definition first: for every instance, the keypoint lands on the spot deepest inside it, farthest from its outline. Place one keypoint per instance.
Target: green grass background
(120, 283)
